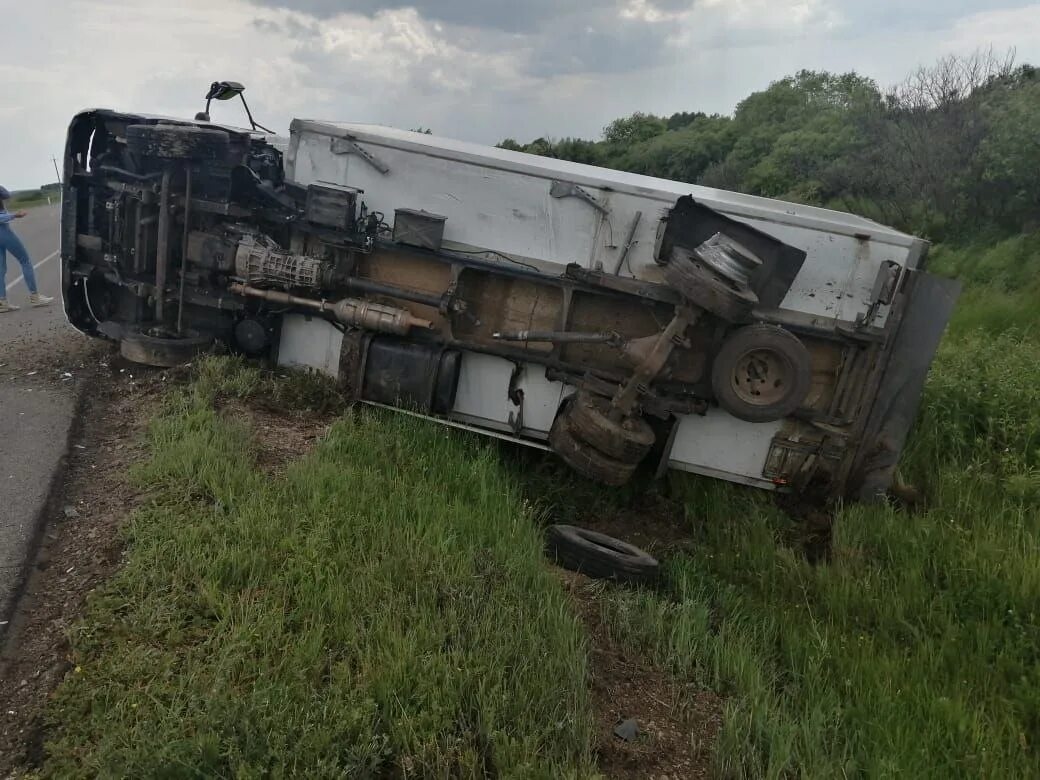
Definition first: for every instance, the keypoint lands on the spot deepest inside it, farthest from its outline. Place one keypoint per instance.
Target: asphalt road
(39, 232)
(36, 403)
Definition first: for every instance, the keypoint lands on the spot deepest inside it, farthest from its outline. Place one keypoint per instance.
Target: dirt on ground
(657, 526)
(80, 545)
(280, 438)
(676, 726)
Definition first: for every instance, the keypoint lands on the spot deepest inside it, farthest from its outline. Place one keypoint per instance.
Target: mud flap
(929, 304)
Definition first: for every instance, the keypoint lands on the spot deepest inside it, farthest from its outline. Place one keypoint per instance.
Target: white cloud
(774, 14)
(1008, 28)
(646, 11)
(474, 69)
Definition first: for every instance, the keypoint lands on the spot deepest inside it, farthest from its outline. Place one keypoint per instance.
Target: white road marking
(21, 277)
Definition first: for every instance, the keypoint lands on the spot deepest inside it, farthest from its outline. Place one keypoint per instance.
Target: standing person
(9, 242)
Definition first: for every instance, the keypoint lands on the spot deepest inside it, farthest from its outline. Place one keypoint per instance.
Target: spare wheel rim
(762, 376)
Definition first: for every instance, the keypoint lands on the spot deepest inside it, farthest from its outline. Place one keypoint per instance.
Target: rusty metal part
(140, 242)
(636, 351)
(184, 251)
(639, 383)
(762, 373)
(349, 311)
(885, 284)
(650, 291)
(261, 260)
(760, 376)
(162, 248)
(560, 336)
(443, 303)
(629, 240)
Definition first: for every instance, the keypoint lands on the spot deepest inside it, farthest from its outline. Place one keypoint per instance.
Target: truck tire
(586, 459)
(705, 288)
(762, 373)
(177, 142)
(160, 351)
(598, 555)
(629, 440)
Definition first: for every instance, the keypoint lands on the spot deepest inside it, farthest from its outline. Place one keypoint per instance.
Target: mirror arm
(249, 114)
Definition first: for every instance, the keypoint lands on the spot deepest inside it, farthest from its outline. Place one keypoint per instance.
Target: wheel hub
(761, 377)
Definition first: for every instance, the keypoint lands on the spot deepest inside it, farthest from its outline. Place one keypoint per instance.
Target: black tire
(762, 373)
(162, 352)
(629, 440)
(586, 459)
(708, 290)
(177, 142)
(598, 555)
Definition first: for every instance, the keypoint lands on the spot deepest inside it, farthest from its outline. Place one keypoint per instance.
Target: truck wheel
(160, 351)
(599, 555)
(762, 373)
(628, 441)
(173, 142)
(707, 289)
(586, 459)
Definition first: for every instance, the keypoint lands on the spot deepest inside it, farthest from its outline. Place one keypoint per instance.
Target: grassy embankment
(384, 606)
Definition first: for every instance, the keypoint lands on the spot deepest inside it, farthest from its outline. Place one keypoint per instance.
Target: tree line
(950, 153)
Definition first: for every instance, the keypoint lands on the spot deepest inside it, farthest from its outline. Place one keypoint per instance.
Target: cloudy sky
(479, 70)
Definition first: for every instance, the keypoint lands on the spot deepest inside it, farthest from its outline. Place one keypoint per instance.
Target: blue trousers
(9, 242)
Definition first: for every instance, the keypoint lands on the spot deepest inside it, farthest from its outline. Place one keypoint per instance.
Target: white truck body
(499, 200)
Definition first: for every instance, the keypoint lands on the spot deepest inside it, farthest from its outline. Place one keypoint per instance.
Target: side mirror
(224, 90)
(227, 90)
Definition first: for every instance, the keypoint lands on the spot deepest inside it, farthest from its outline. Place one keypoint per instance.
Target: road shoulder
(79, 546)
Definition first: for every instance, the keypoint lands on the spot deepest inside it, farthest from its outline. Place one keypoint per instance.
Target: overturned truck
(621, 321)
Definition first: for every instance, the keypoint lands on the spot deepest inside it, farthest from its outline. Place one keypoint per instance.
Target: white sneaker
(6, 307)
(35, 299)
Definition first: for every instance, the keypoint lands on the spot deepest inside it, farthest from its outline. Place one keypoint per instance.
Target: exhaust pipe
(349, 311)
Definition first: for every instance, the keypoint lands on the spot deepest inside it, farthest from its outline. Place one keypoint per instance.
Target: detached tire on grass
(598, 555)
(177, 142)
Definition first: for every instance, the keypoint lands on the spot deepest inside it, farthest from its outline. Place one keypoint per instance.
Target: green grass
(30, 198)
(382, 610)
(913, 652)
(1002, 284)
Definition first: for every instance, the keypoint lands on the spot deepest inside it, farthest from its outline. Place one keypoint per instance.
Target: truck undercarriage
(180, 236)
